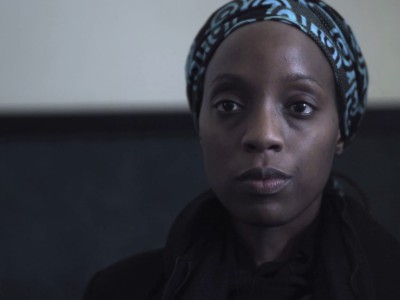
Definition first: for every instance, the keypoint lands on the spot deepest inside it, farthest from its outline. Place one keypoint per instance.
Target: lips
(263, 181)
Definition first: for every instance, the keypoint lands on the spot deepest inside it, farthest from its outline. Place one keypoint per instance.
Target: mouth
(263, 181)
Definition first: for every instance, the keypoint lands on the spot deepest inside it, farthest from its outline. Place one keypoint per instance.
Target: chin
(266, 217)
(272, 211)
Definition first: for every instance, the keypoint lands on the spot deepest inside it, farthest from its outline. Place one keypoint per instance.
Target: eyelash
(219, 106)
(238, 107)
(305, 105)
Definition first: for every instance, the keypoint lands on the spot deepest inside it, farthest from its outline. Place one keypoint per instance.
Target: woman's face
(269, 125)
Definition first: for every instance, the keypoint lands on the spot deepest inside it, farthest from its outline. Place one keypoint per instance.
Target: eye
(302, 108)
(228, 106)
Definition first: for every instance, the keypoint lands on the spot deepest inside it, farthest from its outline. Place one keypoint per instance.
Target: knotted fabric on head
(315, 18)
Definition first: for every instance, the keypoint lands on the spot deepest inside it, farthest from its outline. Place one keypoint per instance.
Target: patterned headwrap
(316, 19)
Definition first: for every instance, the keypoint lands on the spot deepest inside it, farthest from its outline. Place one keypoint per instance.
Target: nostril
(249, 147)
(258, 145)
(276, 147)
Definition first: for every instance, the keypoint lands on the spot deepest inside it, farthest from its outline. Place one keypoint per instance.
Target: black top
(354, 258)
(286, 280)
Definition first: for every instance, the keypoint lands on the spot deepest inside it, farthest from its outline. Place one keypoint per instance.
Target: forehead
(271, 50)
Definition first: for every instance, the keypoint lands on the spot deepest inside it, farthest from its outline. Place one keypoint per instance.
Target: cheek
(317, 159)
(218, 149)
(214, 151)
(214, 163)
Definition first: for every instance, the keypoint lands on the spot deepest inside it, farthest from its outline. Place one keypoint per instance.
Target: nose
(263, 132)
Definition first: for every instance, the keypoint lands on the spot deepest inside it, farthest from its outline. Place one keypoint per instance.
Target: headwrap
(320, 22)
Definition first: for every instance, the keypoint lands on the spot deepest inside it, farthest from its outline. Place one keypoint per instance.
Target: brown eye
(302, 108)
(228, 106)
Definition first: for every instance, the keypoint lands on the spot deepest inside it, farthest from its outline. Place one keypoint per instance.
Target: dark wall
(79, 193)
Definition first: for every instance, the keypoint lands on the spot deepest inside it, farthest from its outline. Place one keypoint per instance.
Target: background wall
(90, 55)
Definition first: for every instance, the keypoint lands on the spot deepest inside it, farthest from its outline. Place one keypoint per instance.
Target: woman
(277, 88)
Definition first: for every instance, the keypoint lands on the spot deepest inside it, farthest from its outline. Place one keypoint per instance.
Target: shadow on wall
(76, 200)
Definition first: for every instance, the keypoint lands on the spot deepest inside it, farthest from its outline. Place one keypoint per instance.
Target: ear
(339, 144)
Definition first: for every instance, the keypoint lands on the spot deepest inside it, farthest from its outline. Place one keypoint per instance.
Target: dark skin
(269, 107)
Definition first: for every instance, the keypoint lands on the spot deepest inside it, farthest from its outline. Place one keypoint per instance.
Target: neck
(267, 243)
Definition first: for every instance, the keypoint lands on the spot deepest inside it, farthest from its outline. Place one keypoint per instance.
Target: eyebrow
(300, 76)
(226, 77)
(292, 77)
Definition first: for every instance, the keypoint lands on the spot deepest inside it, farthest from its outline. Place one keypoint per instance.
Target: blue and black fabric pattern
(325, 26)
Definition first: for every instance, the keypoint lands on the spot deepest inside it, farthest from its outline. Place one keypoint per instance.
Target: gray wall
(90, 55)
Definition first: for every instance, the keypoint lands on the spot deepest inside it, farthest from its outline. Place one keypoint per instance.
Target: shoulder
(381, 246)
(376, 239)
(383, 254)
(134, 277)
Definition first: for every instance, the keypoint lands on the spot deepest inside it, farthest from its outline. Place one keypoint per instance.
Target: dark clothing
(348, 257)
(291, 279)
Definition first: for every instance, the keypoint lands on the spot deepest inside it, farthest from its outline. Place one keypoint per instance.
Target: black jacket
(374, 257)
